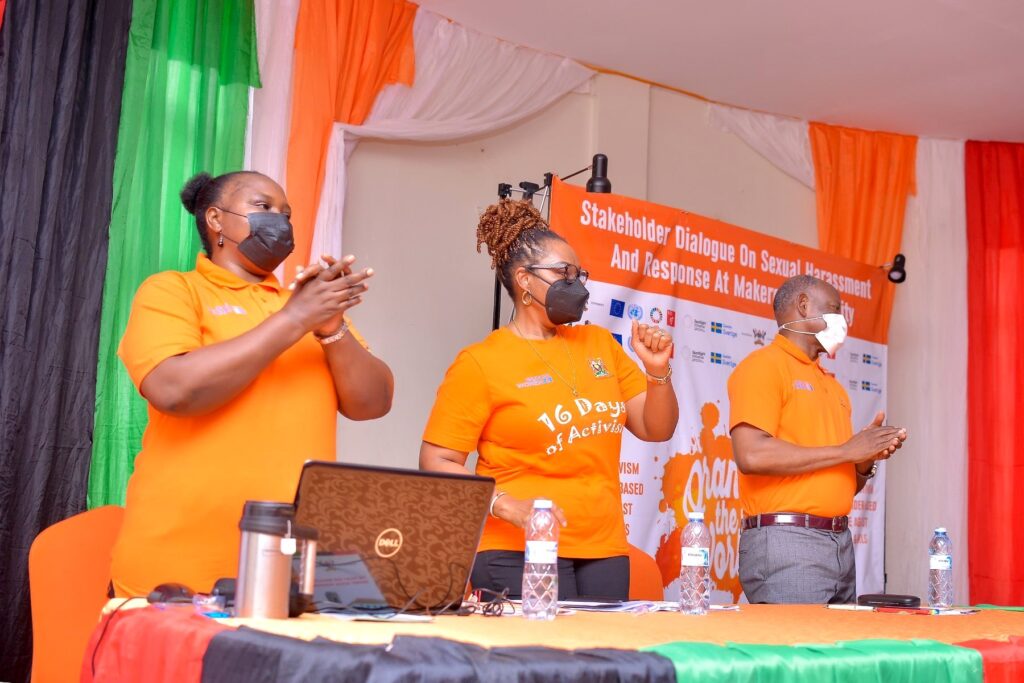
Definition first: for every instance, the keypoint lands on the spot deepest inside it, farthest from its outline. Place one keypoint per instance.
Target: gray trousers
(790, 564)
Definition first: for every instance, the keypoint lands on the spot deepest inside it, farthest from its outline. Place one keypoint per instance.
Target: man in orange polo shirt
(800, 463)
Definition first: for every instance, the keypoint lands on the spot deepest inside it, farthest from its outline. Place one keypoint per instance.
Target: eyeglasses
(568, 271)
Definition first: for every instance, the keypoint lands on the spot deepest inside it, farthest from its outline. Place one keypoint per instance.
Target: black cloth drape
(249, 656)
(61, 77)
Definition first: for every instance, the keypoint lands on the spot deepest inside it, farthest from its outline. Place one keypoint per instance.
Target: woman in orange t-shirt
(244, 380)
(544, 405)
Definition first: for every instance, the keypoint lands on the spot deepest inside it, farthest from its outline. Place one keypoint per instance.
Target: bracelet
(871, 473)
(660, 380)
(494, 500)
(342, 331)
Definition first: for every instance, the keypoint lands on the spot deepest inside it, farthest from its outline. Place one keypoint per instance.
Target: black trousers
(578, 579)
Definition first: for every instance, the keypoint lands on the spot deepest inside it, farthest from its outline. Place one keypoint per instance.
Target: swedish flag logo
(716, 328)
(716, 358)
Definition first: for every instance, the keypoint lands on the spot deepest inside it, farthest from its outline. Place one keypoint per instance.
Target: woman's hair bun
(190, 192)
(503, 224)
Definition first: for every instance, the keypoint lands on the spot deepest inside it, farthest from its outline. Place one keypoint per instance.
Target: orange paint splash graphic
(706, 479)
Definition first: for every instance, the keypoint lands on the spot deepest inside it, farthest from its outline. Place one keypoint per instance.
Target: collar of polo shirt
(225, 278)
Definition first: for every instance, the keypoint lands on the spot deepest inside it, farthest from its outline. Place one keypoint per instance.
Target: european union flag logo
(617, 309)
(716, 328)
(617, 337)
(716, 358)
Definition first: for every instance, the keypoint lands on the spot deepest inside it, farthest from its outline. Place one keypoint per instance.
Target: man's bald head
(787, 298)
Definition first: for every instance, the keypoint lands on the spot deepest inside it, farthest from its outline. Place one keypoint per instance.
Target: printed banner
(711, 285)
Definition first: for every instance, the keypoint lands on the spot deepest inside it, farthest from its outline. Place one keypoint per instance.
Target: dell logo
(389, 542)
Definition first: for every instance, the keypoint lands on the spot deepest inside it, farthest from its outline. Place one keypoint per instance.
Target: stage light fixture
(529, 189)
(897, 269)
(599, 178)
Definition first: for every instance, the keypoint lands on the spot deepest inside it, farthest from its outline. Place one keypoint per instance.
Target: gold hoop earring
(527, 298)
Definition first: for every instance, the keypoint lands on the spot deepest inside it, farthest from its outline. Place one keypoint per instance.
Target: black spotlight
(599, 179)
(898, 269)
(529, 189)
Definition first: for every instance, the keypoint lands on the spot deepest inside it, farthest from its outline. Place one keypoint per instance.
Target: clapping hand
(877, 441)
(324, 291)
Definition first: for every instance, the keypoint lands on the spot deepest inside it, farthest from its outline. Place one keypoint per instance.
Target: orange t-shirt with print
(781, 391)
(513, 404)
(194, 473)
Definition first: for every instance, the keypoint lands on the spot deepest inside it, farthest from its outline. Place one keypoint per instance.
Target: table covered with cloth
(791, 643)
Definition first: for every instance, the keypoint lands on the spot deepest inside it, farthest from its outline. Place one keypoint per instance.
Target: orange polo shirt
(781, 391)
(508, 402)
(194, 473)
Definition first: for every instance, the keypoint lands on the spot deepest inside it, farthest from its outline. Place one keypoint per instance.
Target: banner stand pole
(496, 314)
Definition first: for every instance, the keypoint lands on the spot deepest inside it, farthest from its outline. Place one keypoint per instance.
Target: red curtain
(994, 176)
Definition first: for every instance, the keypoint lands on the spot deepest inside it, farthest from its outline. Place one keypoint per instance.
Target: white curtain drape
(467, 84)
(928, 375)
(270, 107)
(779, 139)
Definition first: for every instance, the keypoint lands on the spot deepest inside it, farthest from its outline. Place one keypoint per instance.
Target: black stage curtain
(61, 77)
(250, 656)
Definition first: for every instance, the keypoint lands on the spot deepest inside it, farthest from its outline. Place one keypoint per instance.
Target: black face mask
(566, 301)
(270, 239)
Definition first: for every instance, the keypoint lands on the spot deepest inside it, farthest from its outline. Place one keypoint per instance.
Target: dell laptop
(392, 539)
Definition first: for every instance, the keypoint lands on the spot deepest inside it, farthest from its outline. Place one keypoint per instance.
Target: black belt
(836, 525)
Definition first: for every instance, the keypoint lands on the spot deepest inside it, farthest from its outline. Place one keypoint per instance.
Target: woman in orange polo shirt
(544, 405)
(244, 379)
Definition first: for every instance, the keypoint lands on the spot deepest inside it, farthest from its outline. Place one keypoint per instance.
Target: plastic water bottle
(540, 571)
(940, 570)
(695, 594)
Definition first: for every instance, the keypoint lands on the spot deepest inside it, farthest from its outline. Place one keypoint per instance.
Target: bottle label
(542, 552)
(941, 561)
(696, 557)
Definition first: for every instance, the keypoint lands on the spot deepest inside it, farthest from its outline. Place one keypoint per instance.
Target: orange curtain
(862, 181)
(345, 52)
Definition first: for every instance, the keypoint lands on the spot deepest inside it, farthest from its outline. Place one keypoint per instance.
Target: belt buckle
(837, 525)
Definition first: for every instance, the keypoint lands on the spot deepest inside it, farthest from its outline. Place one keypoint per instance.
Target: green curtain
(189, 68)
(855, 661)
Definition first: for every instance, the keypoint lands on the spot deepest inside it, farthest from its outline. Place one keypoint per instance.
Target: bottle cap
(541, 504)
(695, 516)
(940, 529)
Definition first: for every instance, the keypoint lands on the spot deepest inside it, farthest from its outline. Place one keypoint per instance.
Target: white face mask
(831, 338)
